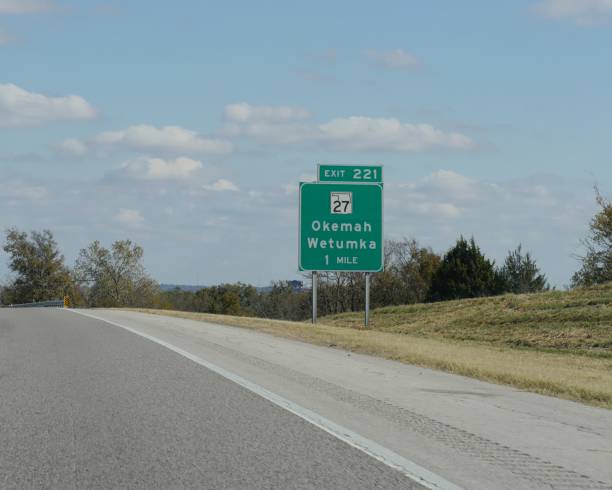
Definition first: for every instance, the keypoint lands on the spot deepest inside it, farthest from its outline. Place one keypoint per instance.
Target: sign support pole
(367, 298)
(314, 296)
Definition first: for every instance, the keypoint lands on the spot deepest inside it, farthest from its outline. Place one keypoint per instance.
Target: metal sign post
(367, 299)
(314, 297)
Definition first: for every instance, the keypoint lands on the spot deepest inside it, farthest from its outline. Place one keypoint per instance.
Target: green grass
(577, 321)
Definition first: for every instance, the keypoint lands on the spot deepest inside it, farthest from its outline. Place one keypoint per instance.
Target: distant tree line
(116, 277)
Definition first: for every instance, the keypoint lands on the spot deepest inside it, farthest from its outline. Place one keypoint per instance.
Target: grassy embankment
(555, 343)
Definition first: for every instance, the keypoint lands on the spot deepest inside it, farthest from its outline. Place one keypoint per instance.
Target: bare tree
(597, 261)
(115, 277)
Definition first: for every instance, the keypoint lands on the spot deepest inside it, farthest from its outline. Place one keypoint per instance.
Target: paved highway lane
(84, 404)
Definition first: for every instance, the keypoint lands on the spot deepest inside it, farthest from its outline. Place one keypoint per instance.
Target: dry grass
(565, 337)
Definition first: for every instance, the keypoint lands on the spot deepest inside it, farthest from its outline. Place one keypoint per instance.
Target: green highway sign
(341, 227)
(368, 174)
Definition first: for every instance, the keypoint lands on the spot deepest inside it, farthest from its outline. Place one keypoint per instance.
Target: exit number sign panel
(358, 174)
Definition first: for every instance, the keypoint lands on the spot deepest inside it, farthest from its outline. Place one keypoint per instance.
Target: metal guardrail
(56, 303)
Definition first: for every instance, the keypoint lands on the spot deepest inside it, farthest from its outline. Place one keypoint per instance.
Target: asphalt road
(84, 404)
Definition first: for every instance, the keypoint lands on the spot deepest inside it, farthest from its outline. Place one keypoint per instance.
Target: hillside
(577, 321)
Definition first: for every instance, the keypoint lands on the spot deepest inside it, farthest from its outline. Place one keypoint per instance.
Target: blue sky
(187, 126)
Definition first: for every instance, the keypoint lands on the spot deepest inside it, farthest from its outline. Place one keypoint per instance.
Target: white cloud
(160, 169)
(307, 178)
(246, 113)
(441, 209)
(355, 133)
(447, 183)
(73, 147)
(129, 217)
(19, 191)
(167, 138)
(359, 133)
(282, 134)
(445, 195)
(290, 189)
(221, 185)
(18, 7)
(394, 59)
(18, 107)
(580, 11)
(442, 195)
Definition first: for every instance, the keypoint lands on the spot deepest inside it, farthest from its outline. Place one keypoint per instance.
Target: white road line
(410, 469)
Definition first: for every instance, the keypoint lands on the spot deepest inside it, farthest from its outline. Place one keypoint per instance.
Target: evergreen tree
(464, 273)
(520, 273)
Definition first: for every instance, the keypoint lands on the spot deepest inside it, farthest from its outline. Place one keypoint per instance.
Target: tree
(115, 277)
(407, 275)
(520, 274)
(415, 266)
(597, 262)
(39, 267)
(283, 301)
(387, 287)
(464, 273)
(340, 291)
